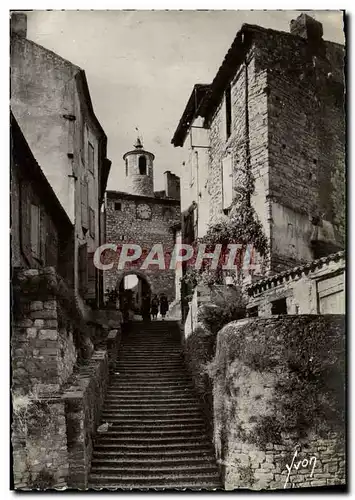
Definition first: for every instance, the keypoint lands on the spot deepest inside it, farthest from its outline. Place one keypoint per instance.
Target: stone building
(42, 234)
(146, 218)
(314, 288)
(276, 121)
(51, 102)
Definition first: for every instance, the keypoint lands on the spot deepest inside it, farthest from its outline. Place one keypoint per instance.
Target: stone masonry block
(48, 335)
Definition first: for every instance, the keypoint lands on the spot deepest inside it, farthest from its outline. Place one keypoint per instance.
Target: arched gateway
(136, 214)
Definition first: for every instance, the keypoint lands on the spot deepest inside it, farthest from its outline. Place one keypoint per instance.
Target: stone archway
(131, 287)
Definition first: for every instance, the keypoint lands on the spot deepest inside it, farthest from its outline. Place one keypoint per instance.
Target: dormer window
(142, 165)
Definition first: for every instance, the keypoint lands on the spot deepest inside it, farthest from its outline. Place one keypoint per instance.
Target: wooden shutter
(51, 243)
(35, 231)
(227, 177)
(44, 236)
(25, 221)
(84, 204)
(91, 289)
(83, 268)
(91, 158)
(92, 222)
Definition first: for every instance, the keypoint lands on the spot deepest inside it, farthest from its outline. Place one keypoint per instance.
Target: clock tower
(138, 215)
(139, 170)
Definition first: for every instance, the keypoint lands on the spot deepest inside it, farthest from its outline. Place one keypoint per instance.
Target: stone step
(135, 402)
(180, 416)
(150, 391)
(157, 438)
(153, 368)
(158, 412)
(201, 453)
(143, 440)
(156, 426)
(152, 433)
(128, 381)
(167, 486)
(167, 391)
(159, 478)
(152, 469)
(103, 459)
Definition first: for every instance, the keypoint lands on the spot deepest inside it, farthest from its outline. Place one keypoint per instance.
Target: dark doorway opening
(279, 307)
(132, 290)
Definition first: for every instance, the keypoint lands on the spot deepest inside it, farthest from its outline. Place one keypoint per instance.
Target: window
(228, 105)
(118, 207)
(91, 158)
(83, 268)
(279, 307)
(142, 165)
(227, 181)
(253, 312)
(126, 167)
(92, 222)
(35, 231)
(84, 204)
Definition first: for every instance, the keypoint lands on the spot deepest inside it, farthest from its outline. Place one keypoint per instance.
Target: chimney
(307, 27)
(18, 24)
(172, 185)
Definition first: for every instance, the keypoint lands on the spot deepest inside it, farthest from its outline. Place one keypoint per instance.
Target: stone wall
(84, 397)
(39, 443)
(123, 227)
(247, 142)
(288, 131)
(58, 381)
(279, 387)
(306, 136)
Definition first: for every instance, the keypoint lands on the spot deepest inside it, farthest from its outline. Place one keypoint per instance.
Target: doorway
(132, 289)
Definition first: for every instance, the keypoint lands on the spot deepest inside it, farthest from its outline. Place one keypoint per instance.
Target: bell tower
(139, 170)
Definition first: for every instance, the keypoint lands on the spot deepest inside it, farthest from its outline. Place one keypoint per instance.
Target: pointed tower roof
(138, 150)
(138, 144)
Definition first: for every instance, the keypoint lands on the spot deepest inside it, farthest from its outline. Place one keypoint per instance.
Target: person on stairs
(146, 307)
(164, 305)
(155, 306)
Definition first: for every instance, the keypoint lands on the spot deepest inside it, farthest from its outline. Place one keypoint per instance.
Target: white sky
(141, 66)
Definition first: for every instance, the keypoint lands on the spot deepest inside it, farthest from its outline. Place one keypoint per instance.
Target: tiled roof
(294, 272)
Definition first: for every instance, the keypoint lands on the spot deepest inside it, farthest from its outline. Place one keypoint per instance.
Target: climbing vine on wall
(307, 354)
(241, 227)
(339, 199)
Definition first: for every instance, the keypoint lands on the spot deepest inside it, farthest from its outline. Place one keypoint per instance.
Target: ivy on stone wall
(242, 227)
(339, 200)
(308, 355)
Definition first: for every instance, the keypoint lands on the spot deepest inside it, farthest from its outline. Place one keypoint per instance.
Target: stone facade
(280, 121)
(315, 288)
(259, 415)
(49, 239)
(51, 102)
(125, 226)
(142, 217)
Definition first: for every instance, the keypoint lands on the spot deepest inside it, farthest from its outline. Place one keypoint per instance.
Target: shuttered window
(83, 269)
(227, 179)
(25, 221)
(91, 158)
(51, 243)
(35, 231)
(91, 289)
(84, 204)
(92, 222)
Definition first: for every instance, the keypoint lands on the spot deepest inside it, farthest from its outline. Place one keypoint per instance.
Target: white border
(4, 184)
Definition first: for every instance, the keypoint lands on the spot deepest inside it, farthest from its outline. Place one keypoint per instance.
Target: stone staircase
(158, 438)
